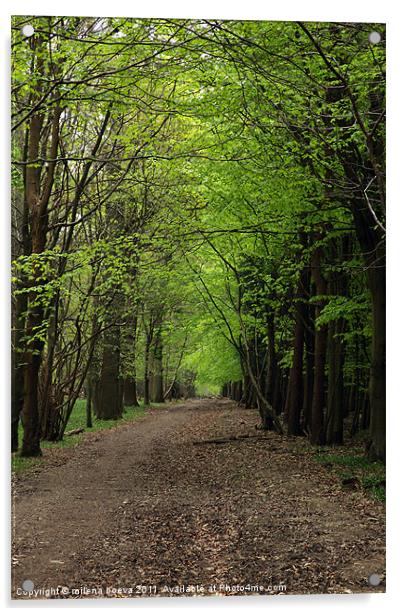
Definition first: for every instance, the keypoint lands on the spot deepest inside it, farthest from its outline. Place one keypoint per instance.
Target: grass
(355, 464)
(78, 420)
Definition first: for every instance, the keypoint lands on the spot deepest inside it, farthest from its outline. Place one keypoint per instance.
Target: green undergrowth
(354, 466)
(78, 420)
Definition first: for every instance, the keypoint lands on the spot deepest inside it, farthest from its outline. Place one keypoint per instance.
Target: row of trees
(199, 205)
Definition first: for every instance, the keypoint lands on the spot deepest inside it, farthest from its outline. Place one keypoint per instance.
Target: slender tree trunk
(308, 376)
(269, 419)
(48, 409)
(365, 411)
(296, 382)
(17, 381)
(336, 394)
(88, 408)
(277, 400)
(296, 373)
(130, 382)
(317, 436)
(335, 385)
(19, 309)
(157, 369)
(146, 370)
(287, 400)
(272, 363)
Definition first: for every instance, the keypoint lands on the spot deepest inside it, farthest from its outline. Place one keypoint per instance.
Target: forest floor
(146, 508)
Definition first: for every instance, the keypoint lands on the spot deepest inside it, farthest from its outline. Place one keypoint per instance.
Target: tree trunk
(146, 370)
(296, 373)
(272, 363)
(130, 392)
(49, 412)
(157, 369)
(335, 385)
(88, 406)
(309, 374)
(269, 419)
(336, 393)
(110, 399)
(317, 436)
(296, 382)
(17, 367)
(31, 439)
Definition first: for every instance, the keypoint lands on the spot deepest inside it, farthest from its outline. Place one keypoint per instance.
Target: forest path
(142, 505)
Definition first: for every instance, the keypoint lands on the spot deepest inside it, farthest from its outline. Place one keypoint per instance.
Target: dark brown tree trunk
(19, 308)
(296, 381)
(317, 436)
(110, 398)
(335, 385)
(336, 393)
(157, 369)
(95, 363)
(130, 369)
(31, 440)
(308, 375)
(247, 398)
(130, 392)
(365, 411)
(287, 400)
(272, 364)
(269, 419)
(88, 409)
(232, 390)
(17, 379)
(146, 370)
(49, 412)
(277, 401)
(296, 373)
(238, 392)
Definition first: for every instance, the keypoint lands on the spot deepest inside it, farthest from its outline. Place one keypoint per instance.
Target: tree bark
(272, 363)
(296, 373)
(130, 392)
(309, 340)
(317, 436)
(336, 394)
(335, 385)
(88, 407)
(17, 379)
(146, 369)
(157, 369)
(110, 398)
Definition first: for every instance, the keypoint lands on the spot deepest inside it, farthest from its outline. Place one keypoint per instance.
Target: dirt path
(140, 509)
